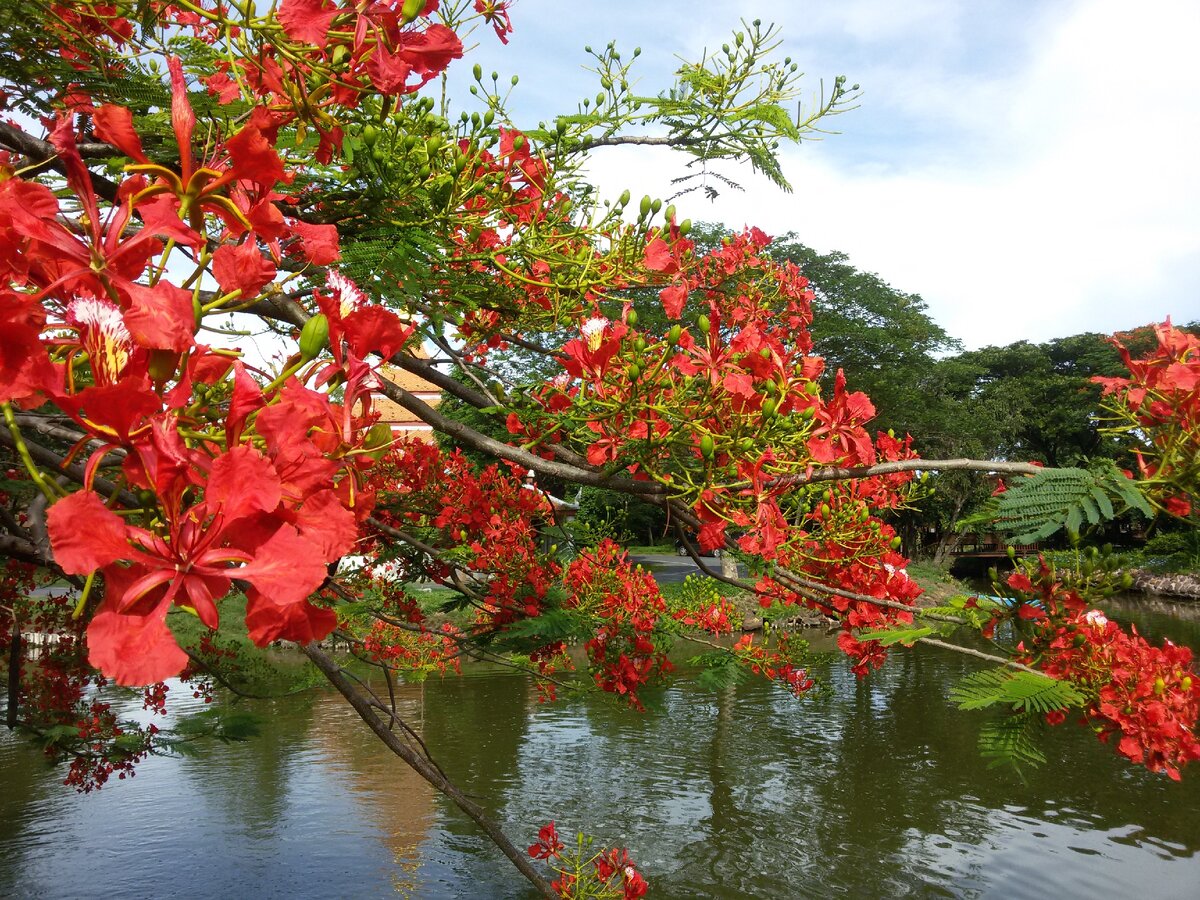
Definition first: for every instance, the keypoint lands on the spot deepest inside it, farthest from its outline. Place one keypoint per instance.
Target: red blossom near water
(548, 843)
(231, 533)
(839, 436)
(1145, 698)
(628, 605)
(1161, 400)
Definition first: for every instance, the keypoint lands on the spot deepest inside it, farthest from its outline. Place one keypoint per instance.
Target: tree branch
(337, 677)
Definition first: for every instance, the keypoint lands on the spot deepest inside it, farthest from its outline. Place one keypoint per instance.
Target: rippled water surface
(874, 791)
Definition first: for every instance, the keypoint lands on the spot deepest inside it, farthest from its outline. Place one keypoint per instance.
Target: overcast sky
(1029, 168)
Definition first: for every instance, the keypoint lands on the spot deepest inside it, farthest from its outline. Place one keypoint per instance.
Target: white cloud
(1059, 192)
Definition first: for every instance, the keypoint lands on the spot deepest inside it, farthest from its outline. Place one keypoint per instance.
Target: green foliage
(1009, 742)
(905, 636)
(1173, 551)
(1027, 697)
(718, 670)
(620, 517)
(973, 610)
(551, 626)
(1040, 505)
(1018, 689)
(1092, 572)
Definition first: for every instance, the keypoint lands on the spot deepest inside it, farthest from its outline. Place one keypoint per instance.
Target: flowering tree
(172, 171)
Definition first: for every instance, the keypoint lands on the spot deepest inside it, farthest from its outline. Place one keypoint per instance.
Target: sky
(1028, 168)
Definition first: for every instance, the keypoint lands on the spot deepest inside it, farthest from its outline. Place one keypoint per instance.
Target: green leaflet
(719, 671)
(888, 637)
(1038, 506)
(1008, 742)
(1021, 691)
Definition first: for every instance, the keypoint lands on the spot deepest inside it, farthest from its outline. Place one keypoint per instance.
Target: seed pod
(314, 336)
(707, 446)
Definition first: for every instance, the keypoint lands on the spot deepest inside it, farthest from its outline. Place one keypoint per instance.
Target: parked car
(682, 550)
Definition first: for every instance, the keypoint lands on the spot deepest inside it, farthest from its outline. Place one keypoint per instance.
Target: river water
(875, 790)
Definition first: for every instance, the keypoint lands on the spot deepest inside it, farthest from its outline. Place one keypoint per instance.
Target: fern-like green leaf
(1020, 690)
(719, 671)
(888, 637)
(1008, 742)
(1038, 506)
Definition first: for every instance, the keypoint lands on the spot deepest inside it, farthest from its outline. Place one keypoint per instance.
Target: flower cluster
(605, 875)
(1160, 401)
(1145, 698)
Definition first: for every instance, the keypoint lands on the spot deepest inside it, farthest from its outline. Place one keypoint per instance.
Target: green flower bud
(623, 200)
(411, 9)
(674, 334)
(632, 318)
(644, 208)
(707, 446)
(705, 324)
(314, 336)
(768, 408)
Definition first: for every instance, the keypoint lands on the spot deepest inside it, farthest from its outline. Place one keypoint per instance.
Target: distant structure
(403, 423)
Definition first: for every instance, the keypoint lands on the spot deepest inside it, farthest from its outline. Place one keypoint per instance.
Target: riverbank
(1179, 586)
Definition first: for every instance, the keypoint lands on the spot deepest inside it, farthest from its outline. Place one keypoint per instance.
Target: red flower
(548, 844)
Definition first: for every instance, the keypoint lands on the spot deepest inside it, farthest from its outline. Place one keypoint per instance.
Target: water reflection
(876, 790)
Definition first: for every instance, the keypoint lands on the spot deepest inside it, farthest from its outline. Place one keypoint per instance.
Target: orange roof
(407, 380)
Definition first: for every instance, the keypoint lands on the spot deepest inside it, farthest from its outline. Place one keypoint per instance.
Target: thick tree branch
(836, 473)
(74, 471)
(43, 156)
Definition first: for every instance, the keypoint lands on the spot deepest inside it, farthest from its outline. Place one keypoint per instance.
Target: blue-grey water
(876, 790)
